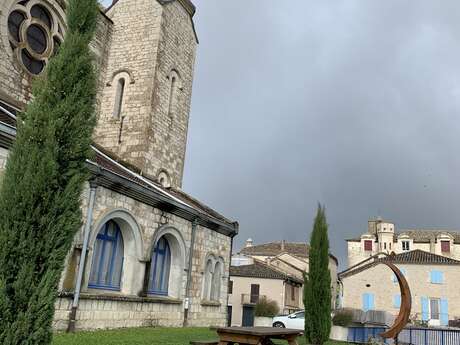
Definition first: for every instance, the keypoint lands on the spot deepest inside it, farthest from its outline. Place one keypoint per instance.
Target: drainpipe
(228, 279)
(81, 266)
(189, 274)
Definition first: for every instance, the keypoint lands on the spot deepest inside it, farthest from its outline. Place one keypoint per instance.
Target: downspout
(228, 279)
(81, 266)
(189, 274)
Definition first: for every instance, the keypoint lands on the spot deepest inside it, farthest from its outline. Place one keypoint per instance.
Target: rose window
(35, 34)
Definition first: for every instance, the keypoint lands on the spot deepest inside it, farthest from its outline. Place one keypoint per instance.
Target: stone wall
(381, 284)
(151, 43)
(141, 225)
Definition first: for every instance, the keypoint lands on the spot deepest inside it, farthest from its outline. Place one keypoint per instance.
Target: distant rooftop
(420, 235)
(417, 257)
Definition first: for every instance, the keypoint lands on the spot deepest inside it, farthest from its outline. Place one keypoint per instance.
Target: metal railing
(251, 299)
(412, 336)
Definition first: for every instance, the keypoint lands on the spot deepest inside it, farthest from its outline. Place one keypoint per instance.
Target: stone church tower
(145, 99)
(147, 254)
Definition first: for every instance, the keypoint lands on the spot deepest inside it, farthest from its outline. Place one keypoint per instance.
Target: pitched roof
(414, 257)
(420, 235)
(173, 200)
(8, 114)
(299, 249)
(276, 248)
(261, 270)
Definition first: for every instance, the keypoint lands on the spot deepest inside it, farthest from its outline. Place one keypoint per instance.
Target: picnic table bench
(256, 335)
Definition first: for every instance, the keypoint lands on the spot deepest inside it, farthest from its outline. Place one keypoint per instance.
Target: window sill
(123, 298)
(205, 303)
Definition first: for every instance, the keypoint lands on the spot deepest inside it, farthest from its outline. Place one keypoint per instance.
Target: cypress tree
(43, 181)
(317, 285)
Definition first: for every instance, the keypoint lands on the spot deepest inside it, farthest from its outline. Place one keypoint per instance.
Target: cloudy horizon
(349, 103)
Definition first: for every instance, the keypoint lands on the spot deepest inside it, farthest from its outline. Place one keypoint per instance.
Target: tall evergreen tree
(317, 287)
(41, 189)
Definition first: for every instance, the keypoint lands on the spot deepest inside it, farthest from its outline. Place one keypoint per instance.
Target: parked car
(294, 321)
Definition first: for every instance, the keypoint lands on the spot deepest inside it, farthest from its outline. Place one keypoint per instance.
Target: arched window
(119, 98)
(107, 262)
(212, 280)
(175, 85)
(160, 268)
(208, 272)
(216, 281)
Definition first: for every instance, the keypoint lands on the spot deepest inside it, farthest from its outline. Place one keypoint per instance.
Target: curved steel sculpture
(406, 305)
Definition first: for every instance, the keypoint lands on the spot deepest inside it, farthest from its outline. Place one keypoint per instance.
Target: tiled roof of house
(414, 257)
(276, 248)
(298, 249)
(420, 235)
(261, 270)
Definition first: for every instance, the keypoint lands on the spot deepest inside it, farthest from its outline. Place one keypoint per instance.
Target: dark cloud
(349, 103)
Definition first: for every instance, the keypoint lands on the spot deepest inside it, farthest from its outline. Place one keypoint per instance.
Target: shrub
(266, 308)
(342, 318)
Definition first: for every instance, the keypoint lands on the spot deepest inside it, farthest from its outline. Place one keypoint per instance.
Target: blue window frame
(107, 262)
(160, 268)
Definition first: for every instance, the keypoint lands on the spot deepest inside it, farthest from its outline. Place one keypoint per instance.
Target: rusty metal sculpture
(406, 304)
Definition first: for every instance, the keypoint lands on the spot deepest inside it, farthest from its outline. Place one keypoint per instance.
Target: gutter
(189, 273)
(81, 266)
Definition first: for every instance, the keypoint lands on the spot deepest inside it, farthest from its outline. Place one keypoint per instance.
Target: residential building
(382, 237)
(433, 280)
(156, 256)
(291, 258)
(256, 280)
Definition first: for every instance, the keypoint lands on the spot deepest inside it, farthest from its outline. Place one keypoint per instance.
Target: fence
(413, 336)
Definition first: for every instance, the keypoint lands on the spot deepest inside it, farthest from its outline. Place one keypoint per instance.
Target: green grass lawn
(142, 336)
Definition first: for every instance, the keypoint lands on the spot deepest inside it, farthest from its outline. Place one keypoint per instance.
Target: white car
(294, 321)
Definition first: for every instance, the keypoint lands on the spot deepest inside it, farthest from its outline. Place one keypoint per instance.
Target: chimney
(249, 243)
(283, 245)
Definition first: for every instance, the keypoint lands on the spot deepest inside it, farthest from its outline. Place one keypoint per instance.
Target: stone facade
(144, 53)
(382, 237)
(152, 48)
(378, 281)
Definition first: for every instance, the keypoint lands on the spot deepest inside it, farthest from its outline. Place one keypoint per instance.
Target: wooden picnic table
(256, 335)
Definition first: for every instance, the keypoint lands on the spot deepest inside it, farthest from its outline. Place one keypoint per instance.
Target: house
(255, 280)
(291, 258)
(433, 280)
(381, 236)
(148, 253)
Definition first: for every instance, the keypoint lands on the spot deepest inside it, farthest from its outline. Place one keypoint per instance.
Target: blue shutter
(371, 302)
(425, 309)
(437, 277)
(444, 312)
(397, 301)
(365, 302)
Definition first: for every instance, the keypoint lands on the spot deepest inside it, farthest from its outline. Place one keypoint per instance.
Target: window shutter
(437, 277)
(425, 309)
(444, 312)
(371, 302)
(397, 301)
(365, 302)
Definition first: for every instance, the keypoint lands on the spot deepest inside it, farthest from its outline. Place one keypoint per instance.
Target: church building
(148, 254)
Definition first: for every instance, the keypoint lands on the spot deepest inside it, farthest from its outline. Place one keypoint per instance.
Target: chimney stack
(283, 245)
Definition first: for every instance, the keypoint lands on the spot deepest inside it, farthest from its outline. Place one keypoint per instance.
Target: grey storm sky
(354, 104)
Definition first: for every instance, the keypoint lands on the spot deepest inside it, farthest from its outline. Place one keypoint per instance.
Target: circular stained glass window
(35, 35)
